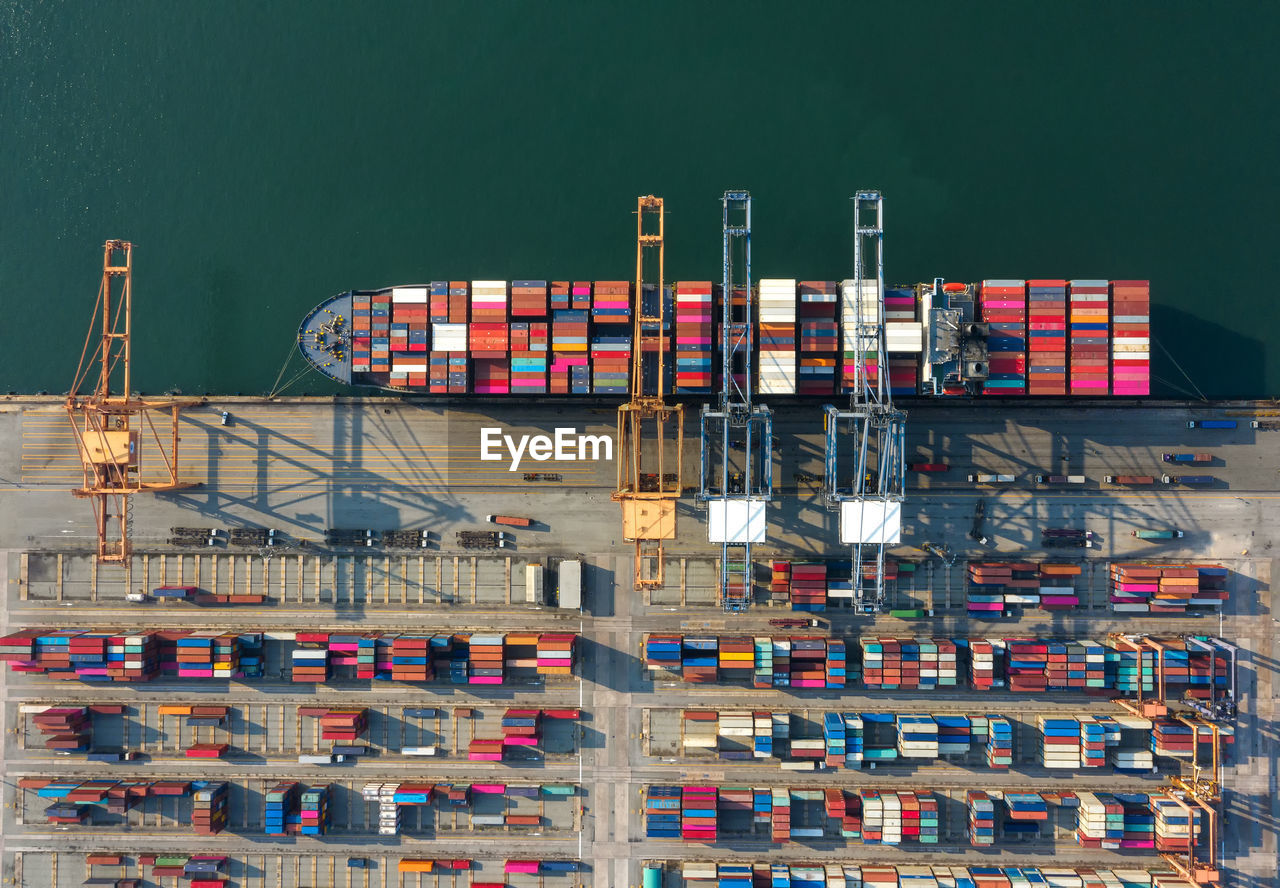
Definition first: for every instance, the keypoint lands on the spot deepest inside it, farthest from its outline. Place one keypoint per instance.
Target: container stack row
(1090, 337)
(1046, 337)
(1021, 665)
(1004, 310)
(777, 321)
(695, 337)
(66, 729)
(1172, 589)
(819, 337)
(908, 664)
(696, 874)
(904, 339)
(860, 355)
(994, 586)
(1131, 343)
(77, 655)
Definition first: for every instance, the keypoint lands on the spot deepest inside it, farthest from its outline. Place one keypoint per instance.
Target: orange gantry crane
(109, 428)
(650, 478)
(1199, 792)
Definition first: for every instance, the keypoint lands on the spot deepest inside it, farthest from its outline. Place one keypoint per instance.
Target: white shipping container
(409, 294)
(533, 592)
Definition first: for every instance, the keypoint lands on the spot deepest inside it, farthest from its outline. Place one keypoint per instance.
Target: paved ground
(304, 467)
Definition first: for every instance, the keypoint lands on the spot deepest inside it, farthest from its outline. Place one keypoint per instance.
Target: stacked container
(780, 582)
(1131, 342)
(66, 729)
(612, 305)
(999, 742)
(663, 652)
(694, 336)
(344, 725)
(521, 727)
(209, 809)
(662, 812)
(1090, 338)
(1176, 825)
(1047, 337)
(314, 812)
(1172, 589)
(569, 353)
(361, 333)
(698, 812)
(310, 665)
(819, 337)
(1099, 821)
(561, 297)
(555, 653)
(1004, 309)
(904, 340)
(917, 737)
(410, 658)
(777, 308)
(610, 361)
(808, 589)
(983, 656)
(780, 815)
(1025, 665)
(409, 320)
(388, 811)
(833, 736)
(528, 299)
(699, 732)
(908, 663)
(858, 301)
(279, 812)
(1059, 742)
(1172, 739)
(380, 332)
(486, 656)
(982, 819)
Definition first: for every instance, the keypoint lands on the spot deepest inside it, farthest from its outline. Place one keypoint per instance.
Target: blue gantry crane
(736, 453)
(864, 476)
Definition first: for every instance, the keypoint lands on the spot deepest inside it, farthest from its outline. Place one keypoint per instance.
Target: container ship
(1065, 338)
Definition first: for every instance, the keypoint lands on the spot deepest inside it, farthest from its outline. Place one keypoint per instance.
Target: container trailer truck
(1158, 534)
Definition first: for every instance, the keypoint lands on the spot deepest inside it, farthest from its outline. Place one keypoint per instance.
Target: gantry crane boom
(869, 502)
(647, 425)
(735, 490)
(109, 427)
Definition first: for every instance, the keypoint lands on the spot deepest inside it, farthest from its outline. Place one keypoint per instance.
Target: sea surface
(263, 156)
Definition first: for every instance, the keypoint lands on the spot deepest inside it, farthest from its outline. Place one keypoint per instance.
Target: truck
(173, 591)
(1131, 480)
(1158, 534)
(420, 751)
(991, 479)
(1186, 457)
(1211, 424)
(569, 578)
(533, 588)
(1060, 479)
(1188, 479)
(324, 758)
(509, 520)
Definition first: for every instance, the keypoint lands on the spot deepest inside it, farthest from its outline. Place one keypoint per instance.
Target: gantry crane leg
(647, 425)
(113, 431)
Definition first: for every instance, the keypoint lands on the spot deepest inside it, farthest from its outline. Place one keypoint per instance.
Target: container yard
(444, 635)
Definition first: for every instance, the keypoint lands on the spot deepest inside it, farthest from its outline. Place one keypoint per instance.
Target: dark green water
(264, 156)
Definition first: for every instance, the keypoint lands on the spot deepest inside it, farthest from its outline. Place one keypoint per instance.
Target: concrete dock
(302, 466)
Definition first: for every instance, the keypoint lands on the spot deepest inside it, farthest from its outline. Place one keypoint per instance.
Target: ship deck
(328, 352)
